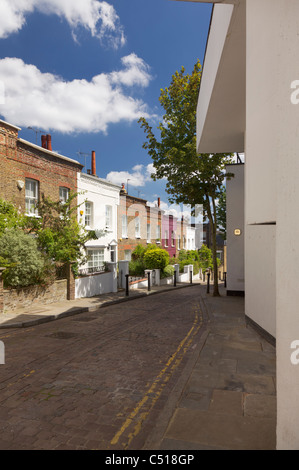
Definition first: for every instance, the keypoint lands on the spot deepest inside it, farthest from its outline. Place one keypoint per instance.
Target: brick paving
(97, 380)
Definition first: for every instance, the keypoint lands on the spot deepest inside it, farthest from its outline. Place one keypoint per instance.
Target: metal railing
(92, 270)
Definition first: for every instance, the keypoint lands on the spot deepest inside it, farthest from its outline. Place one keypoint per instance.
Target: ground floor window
(127, 255)
(95, 260)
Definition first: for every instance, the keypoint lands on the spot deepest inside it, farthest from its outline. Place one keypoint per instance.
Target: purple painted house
(168, 234)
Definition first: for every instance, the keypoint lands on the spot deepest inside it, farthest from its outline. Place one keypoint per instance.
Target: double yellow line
(145, 405)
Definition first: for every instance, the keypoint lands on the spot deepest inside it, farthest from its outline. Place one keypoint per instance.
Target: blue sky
(84, 70)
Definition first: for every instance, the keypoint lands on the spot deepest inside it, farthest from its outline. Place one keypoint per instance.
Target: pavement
(226, 397)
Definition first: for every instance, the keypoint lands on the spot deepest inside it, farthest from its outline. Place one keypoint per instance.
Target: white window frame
(108, 217)
(137, 226)
(124, 226)
(172, 238)
(158, 232)
(127, 255)
(31, 199)
(166, 235)
(148, 232)
(64, 194)
(88, 214)
(95, 259)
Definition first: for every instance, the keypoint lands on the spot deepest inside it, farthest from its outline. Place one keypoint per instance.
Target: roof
(50, 152)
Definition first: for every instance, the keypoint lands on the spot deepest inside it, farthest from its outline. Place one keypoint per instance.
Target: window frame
(108, 217)
(61, 196)
(137, 227)
(28, 199)
(124, 226)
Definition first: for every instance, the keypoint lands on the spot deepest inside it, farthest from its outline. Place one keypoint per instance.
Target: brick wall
(20, 160)
(29, 296)
(134, 207)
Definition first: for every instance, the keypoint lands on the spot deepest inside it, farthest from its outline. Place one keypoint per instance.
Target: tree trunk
(213, 224)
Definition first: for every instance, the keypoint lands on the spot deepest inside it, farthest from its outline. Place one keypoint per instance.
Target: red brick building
(137, 224)
(27, 170)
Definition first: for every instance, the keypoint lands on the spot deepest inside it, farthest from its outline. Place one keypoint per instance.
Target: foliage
(156, 258)
(205, 258)
(191, 178)
(136, 267)
(221, 213)
(59, 234)
(168, 271)
(19, 253)
(138, 252)
(9, 216)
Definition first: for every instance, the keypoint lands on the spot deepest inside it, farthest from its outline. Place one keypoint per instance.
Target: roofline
(10, 125)
(101, 180)
(50, 152)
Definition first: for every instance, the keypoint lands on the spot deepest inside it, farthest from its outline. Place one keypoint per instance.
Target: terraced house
(28, 170)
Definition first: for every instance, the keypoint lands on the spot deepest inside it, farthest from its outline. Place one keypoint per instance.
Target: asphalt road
(98, 380)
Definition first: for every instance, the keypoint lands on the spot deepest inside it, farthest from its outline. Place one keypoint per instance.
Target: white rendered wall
(235, 220)
(100, 193)
(260, 276)
(272, 188)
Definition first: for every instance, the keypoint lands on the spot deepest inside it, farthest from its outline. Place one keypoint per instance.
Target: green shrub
(156, 258)
(136, 268)
(168, 271)
(20, 253)
(138, 252)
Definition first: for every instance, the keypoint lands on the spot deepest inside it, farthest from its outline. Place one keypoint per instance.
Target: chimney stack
(44, 141)
(49, 143)
(93, 163)
(158, 202)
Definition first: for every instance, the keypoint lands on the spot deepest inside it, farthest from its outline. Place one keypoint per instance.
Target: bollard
(127, 284)
(174, 279)
(149, 281)
(191, 273)
(208, 283)
(224, 279)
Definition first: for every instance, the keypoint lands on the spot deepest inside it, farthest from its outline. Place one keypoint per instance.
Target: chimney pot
(158, 202)
(44, 141)
(49, 143)
(93, 163)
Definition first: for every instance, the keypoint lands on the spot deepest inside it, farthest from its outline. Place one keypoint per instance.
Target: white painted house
(98, 201)
(248, 102)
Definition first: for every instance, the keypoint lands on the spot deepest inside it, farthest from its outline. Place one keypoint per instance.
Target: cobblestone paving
(97, 380)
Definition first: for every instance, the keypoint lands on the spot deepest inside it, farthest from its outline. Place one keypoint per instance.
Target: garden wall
(26, 296)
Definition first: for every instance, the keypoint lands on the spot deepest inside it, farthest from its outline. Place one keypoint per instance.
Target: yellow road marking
(163, 376)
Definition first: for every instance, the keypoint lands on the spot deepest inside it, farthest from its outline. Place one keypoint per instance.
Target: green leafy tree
(221, 213)
(23, 261)
(205, 258)
(59, 233)
(10, 217)
(193, 179)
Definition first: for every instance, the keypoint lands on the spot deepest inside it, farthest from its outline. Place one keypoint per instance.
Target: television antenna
(36, 132)
(85, 155)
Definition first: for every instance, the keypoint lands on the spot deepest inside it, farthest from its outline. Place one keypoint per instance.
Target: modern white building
(235, 230)
(98, 200)
(248, 102)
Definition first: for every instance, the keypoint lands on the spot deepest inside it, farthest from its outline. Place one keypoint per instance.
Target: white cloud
(99, 17)
(138, 177)
(33, 98)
